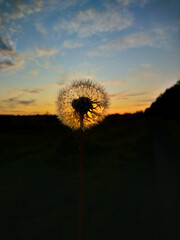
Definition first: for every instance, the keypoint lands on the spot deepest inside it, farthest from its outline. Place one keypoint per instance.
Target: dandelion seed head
(82, 101)
(82, 105)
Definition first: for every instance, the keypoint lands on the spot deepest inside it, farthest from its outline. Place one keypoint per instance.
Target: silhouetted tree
(167, 105)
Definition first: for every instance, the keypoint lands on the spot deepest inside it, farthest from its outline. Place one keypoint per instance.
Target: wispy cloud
(26, 102)
(91, 21)
(12, 103)
(126, 3)
(5, 45)
(127, 94)
(144, 102)
(34, 72)
(9, 58)
(59, 69)
(16, 101)
(62, 84)
(130, 41)
(15, 15)
(40, 28)
(137, 94)
(16, 93)
(20, 8)
(146, 74)
(17, 9)
(44, 52)
(146, 65)
(93, 53)
(41, 58)
(113, 82)
(121, 94)
(72, 44)
(16, 62)
(33, 90)
(155, 37)
(74, 75)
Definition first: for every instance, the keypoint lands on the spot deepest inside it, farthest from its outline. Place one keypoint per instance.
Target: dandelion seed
(82, 105)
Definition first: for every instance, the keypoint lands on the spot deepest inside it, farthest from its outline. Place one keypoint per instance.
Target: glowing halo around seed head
(83, 101)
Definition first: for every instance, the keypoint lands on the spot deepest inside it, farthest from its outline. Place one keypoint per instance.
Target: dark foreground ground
(132, 188)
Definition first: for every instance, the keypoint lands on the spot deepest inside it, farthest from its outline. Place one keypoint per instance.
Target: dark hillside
(131, 178)
(167, 105)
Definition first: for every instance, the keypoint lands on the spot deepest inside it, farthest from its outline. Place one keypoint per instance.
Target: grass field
(131, 179)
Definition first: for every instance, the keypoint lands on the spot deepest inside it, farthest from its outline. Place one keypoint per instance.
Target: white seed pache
(82, 101)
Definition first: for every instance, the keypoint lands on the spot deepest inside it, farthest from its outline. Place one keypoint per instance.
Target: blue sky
(131, 47)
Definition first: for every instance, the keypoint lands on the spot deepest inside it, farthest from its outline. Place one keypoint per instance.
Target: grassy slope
(124, 195)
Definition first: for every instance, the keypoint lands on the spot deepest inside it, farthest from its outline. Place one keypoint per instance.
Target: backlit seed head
(82, 105)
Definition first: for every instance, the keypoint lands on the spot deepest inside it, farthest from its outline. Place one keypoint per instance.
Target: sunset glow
(131, 47)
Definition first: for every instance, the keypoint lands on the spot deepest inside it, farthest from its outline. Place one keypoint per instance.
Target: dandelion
(81, 106)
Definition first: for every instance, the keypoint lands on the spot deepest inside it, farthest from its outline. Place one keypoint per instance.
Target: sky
(130, 47)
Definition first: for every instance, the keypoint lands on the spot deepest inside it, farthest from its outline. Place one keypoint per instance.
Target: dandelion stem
(81, 196)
